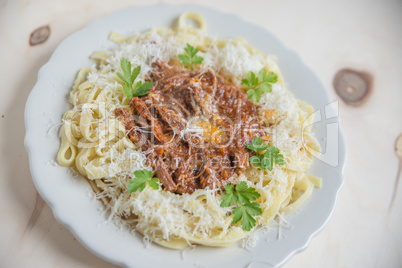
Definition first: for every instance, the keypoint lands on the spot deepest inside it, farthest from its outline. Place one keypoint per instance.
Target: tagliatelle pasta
(95, 142)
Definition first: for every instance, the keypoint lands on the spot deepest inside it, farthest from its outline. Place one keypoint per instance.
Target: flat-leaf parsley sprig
(267, 159)
(190, 58)
(260, 84)
(140, 180)
(245, 210)
(129, 77)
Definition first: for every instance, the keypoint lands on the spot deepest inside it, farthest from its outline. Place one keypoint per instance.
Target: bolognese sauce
(193, 126)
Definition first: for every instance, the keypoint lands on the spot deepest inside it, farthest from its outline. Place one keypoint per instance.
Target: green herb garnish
(260, 84)
(268, 158)
(129, 77)
(246, 209)
(190, 59)
(141, 178)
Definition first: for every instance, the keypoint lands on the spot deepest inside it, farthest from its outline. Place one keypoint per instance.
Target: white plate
(69, 197)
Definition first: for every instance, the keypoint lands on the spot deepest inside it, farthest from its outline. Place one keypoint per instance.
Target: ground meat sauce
(193, 127)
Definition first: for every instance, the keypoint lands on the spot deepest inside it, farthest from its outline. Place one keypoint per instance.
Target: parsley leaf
(230, 198)
(246, 213)
(256, 145)
(129, 77)
(128, 91)
(154, 183)
(273, 155)
(259, 84)
(190, 58)
(268, 158)
(246, 194)
(141, 178)
(142, 89)
(245, 210)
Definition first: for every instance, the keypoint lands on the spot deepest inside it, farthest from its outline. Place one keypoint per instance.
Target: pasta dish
(188, 138)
